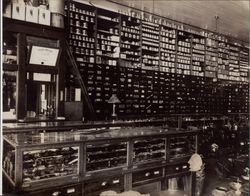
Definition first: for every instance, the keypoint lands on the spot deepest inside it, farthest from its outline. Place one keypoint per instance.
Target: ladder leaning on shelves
(87, 102)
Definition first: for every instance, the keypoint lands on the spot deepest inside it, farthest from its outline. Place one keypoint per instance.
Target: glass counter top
(67, 125)
(23, 139)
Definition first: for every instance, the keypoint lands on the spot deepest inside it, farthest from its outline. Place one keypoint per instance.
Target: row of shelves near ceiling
(133, 40)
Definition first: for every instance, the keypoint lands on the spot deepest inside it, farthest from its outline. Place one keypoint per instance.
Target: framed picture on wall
(40, 55)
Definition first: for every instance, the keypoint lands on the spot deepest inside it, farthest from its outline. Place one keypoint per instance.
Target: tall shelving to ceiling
(198, 53)
(82, 43)
(129, 63)
(150, 29)
(130, 54)
(244, 63)
(223, 58)
(167, 47)
(234, 71)
(244, 74)
(158, 66)
(107, 55)
(184, 52)
(211, 55)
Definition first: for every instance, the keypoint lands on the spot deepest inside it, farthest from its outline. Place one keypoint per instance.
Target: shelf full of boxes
(40, 12)
(142, 44)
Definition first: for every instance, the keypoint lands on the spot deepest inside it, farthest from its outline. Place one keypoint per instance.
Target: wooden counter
(88, 161)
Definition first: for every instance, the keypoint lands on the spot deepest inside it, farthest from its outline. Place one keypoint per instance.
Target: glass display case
(33, 158)
(103, 156)
(149, 149)
(9, 161)
(50, 163)
(130, 156)
(181, 147)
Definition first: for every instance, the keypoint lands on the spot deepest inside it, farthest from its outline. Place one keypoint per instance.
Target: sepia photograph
(125, 98)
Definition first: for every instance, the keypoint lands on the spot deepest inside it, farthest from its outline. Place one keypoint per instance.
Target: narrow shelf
(106, 56)
(79, 27)
(10, 67)
(106, 32)
(107, 19)
(150, 32)
(108, 40)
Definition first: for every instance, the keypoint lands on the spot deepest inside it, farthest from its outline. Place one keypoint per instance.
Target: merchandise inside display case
(123, 156)
(149, 149)
(50, 163)
(9, 154)
(103, 156)
(181, 147)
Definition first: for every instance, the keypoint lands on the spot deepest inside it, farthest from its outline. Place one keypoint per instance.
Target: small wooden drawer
(148, 174)
(73, 190)
(170, 169)
(95, 187)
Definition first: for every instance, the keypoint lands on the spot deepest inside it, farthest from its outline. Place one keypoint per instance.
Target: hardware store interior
(125, 98)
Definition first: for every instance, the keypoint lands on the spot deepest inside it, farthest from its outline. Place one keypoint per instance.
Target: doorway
(41, 99)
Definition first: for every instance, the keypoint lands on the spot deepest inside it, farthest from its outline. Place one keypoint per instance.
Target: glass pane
(41, 95)
(49, 163)
(9, 48)
(149, 150)
(181, 147)
(106, 156)
(9, 160)
(9, 95)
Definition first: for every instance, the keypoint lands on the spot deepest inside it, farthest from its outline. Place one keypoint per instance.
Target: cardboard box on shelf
(18, 11)
(57, 20)
(32, 14)
(43, 16)
(7, 11)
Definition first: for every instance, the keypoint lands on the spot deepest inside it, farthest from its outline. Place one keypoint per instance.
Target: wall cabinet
(41, 98)
(153, 64)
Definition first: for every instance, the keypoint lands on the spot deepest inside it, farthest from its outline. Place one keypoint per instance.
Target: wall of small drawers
(154, 66)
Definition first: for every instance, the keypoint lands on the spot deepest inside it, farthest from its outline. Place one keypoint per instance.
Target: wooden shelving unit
(164, 56)
(26, 34)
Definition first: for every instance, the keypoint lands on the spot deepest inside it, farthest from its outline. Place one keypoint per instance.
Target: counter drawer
(148, 174)
(73, 190)
(95, 187)
(170, 169)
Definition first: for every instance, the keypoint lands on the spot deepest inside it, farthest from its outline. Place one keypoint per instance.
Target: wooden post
(21, 76)
(60, 85)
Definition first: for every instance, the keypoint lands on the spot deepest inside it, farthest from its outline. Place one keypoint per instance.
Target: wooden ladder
(86, 100)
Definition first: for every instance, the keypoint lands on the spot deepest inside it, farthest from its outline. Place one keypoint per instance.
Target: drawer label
(71, 190)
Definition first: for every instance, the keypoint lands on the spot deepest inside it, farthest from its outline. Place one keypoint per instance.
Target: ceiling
(234, 16)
